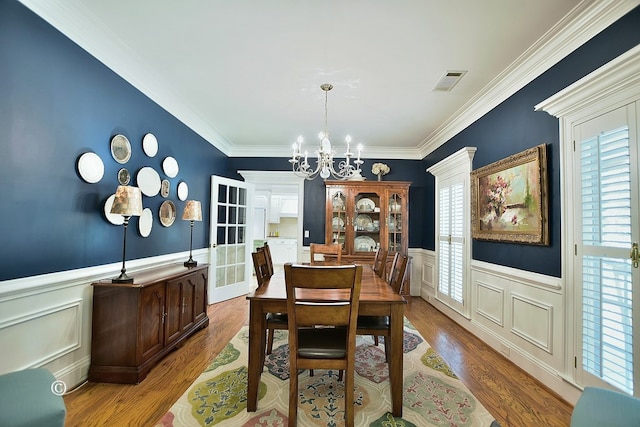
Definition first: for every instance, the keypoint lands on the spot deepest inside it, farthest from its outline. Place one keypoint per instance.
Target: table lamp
(128, 203)
(192, 212)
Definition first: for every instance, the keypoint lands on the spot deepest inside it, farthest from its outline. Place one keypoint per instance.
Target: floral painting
(509, 199)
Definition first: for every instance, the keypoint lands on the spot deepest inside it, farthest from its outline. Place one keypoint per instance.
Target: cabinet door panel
(152, 301)
(173, 321)
(200, 296)
(186, 306)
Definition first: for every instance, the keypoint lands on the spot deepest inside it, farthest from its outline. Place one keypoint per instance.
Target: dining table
(377, 298)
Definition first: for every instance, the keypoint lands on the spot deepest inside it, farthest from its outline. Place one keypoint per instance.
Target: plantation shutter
(453, 229)
(451, 243)
(606, 235)
(607, 294)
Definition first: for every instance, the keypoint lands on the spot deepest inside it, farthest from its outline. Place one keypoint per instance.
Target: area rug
(433, 396)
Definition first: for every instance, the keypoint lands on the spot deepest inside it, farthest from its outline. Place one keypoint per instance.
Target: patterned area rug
(433, 396)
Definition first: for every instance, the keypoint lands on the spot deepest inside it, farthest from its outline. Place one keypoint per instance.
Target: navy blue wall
(514, 126)
(56, 103)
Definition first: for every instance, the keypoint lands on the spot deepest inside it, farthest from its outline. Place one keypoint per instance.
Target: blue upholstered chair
(27, 399)
(602, 407)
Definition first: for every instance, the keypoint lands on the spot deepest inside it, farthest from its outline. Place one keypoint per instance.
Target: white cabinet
(274, 210)
(283, 250)
(282, 205)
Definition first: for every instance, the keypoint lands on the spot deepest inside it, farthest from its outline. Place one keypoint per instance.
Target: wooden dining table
(376, 299)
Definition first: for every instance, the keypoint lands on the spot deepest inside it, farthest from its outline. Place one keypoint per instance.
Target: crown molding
(616, 82)
(581, 24)
(78, 24)
(283, 151)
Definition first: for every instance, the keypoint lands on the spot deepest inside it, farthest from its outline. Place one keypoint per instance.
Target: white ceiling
(246, 74)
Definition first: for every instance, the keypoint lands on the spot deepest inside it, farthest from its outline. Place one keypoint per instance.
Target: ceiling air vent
(448, 81)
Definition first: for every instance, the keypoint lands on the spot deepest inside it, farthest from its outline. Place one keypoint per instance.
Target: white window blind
(606, 280)
(451, 241)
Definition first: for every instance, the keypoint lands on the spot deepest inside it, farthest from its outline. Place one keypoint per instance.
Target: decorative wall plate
(149, 181)
(167, 213)
(170, 167)
(183, 191)
(145, 222)
(114, 219)
(90, 167)
(164, 189)
(365, 205)
(123, 176)
(120, 149)
(150, 145)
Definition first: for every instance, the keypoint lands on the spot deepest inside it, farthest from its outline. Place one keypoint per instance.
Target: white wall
(518, 313)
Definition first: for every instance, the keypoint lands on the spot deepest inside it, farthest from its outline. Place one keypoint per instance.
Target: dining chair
(381, 325)
(379, 261)
(267, 252)
(322, 304)
(273, 321)
(261, 267)
(326, 249)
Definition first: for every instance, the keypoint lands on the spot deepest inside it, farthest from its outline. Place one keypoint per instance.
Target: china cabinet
(137, 324)
(366, 215)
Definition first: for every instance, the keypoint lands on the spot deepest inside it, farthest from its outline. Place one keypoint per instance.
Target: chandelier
(325, 163)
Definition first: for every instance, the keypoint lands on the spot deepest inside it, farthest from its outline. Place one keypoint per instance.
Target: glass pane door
(230, 250)
(394, 226)
(366, 222)
(339, 217)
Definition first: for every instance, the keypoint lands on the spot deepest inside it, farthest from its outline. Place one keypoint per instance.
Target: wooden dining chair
(326, 249)
(267, 253)
(322, 304)
(377, 326)
(261, 267)
(273, 321)
(380, 261)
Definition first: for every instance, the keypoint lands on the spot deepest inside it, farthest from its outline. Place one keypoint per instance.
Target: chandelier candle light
(325, 163)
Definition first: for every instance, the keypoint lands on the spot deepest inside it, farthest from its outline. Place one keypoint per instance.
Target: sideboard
(137, 324)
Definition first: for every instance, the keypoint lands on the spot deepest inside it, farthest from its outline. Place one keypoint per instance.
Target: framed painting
(509, 199)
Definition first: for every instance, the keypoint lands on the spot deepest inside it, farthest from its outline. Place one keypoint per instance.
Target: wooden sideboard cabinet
(135, 325)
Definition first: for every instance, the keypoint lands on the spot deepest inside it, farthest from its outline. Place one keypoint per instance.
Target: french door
(230, 245)
(606, 232)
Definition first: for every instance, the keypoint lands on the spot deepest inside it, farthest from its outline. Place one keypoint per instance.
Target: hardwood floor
(513, 397)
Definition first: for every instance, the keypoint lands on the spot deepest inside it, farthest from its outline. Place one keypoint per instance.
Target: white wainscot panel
(490, 303)
(532, 321)
(40, 337)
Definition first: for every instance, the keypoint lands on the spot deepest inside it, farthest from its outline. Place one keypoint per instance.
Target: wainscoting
(45, 321)
(518, 313)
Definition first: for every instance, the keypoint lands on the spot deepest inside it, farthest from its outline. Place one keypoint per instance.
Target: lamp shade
(127, 201)
(192, 211)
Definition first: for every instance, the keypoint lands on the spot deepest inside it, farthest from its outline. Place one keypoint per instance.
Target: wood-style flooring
(511, 396)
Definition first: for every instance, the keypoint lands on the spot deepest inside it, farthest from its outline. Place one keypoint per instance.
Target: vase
(380, 176)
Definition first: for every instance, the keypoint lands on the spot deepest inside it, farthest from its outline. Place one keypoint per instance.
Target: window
(599, 118)
(606, 237)
(453, 228)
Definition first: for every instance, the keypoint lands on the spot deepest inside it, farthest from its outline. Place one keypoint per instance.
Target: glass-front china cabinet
(365, 216)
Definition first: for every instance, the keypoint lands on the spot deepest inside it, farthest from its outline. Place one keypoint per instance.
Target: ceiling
(246, 74)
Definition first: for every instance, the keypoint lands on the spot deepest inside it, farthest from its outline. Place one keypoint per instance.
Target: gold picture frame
(509, 199)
